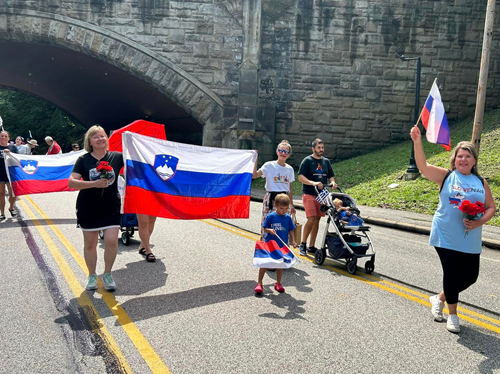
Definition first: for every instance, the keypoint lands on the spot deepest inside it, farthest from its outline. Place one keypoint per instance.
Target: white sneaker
(436, 308)
(453, 323)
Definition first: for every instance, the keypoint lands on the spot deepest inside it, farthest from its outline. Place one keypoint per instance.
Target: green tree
(22, 113)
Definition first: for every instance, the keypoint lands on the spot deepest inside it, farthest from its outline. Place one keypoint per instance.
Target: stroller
(128, 226)
(344, 242)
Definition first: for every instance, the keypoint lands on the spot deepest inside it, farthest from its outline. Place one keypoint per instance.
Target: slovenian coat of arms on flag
(184, 181)
(271, 256)
(434, 119)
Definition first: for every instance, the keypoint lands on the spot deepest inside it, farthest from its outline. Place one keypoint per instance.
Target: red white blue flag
(185, 181)
(434, 119)
(271, 256)
(32, 174)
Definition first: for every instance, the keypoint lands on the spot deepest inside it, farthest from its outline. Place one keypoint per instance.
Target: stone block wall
(336, 76)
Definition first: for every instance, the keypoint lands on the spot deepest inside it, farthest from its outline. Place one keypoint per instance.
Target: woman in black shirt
(98, 202)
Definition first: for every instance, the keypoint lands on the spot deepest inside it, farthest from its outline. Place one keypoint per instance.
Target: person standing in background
(22, 148)
(32, 144)
(54, 148)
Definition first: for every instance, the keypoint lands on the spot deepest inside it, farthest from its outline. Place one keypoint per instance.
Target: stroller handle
(317, 191)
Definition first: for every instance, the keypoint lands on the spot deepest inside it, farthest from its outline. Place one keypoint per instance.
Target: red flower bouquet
(471, 211)
(105, 169)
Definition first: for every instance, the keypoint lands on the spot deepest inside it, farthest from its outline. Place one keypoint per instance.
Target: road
(194, 310)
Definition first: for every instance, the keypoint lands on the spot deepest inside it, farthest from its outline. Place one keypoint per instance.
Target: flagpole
(286, 245)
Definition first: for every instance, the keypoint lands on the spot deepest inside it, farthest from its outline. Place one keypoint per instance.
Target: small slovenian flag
(434, 119)
(271, 256)
(322, 196)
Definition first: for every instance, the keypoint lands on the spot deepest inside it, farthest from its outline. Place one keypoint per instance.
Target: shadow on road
(140, 277)
(484, 344)
(142, 308)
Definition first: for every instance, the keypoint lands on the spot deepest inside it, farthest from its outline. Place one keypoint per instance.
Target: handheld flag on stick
(322, 196)
(31, 136)
(271, 256)
(434, 119)
(1, 124)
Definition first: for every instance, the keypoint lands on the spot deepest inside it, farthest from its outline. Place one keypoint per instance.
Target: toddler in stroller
(345, 215)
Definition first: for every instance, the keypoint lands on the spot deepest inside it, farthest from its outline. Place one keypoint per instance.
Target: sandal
(12, 212)
(150, 257)
(142, 251)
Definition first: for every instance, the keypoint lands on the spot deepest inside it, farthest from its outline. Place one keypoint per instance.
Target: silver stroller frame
(350, 256)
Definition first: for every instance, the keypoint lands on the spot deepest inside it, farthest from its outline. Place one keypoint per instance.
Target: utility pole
(483, 75)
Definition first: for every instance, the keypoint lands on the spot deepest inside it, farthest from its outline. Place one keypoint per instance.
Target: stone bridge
(248, 73)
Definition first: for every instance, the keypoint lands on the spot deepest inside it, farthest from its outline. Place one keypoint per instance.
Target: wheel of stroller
(125, 238)
(351, 266)
(369, 266)
(320, 256)
(101, 234)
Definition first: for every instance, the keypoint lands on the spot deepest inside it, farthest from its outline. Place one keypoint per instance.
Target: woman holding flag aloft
(457, 239)
(98, 202)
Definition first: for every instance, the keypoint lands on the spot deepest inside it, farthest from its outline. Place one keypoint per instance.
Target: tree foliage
(22, 113)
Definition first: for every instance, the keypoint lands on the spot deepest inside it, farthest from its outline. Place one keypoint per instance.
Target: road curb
(425, 230)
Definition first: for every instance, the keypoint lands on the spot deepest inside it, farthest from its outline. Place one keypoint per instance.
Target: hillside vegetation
(366, 178)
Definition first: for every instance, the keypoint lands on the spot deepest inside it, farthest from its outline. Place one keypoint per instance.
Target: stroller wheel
(369, 266)
(320, 256)
(351, 266)
(125, 238)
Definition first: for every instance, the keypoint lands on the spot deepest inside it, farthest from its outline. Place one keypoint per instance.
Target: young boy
(345, 215)
(278, 223)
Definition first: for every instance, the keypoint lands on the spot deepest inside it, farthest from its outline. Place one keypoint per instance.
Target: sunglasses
(76, 147)
(283, 151)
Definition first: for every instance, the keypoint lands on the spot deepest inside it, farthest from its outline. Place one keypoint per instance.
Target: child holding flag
(278, 226)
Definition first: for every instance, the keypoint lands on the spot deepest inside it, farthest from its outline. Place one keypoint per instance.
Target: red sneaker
(278, 287)
(258, 288)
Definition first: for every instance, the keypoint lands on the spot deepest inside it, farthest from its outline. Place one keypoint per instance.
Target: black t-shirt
(316, 171)
(100, 199)
(3, 172)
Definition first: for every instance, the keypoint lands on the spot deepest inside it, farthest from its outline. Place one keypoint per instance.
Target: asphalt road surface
(194, 310)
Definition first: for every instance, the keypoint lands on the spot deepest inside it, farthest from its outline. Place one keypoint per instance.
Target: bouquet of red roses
(471, 211)
(105, 169)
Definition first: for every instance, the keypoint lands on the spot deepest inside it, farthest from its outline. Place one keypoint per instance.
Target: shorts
(312, 206)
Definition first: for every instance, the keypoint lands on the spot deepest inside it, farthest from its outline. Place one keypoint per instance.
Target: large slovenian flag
(32, 174)
(271, 256)
(434, 119)
(184, 181)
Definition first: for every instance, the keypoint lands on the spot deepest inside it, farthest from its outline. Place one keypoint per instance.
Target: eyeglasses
(284, 151)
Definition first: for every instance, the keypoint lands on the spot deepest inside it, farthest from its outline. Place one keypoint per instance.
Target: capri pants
(460, 271)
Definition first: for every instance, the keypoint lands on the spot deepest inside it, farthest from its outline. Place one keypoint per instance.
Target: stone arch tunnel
(91, 90)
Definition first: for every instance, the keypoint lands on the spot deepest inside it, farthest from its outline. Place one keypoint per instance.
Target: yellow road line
(79, 293)
(148, 353)
(374, 281)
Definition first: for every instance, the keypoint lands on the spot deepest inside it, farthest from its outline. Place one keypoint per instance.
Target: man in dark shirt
(315, 171)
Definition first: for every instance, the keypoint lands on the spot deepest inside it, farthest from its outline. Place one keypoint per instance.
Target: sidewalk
(402, 220)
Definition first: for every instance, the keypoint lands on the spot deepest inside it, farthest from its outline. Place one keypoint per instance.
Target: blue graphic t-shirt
(448, 230)
(281, 224)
